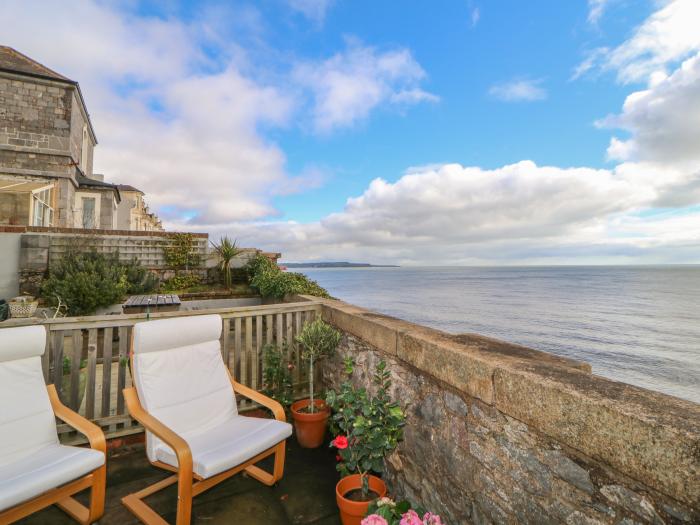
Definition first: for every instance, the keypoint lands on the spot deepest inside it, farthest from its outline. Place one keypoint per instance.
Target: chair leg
(278, 470)
(184, 498)
(97, 494)
(187, 488)
(134, 502)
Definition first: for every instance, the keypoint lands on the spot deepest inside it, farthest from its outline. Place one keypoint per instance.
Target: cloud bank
(191, 132)
(186, 124)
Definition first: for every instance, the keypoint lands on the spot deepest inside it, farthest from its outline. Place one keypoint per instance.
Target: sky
(465, 132)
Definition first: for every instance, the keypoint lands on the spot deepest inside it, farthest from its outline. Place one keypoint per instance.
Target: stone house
(46, 154)
(133, 213)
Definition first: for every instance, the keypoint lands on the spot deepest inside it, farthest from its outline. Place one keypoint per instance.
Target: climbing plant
(182, 252)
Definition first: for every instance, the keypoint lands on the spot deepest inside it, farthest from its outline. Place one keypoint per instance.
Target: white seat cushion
(228, 444)
(44, 469)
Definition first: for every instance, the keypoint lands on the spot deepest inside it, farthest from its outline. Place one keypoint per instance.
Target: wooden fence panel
(88, 343)
(90, 385)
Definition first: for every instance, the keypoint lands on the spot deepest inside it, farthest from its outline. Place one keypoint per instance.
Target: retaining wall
(499, 433)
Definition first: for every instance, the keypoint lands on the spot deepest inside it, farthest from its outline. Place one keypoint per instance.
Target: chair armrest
(94, 433)
(150, 423)
(268, 402)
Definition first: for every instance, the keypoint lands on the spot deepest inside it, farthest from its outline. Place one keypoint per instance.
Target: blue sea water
(636, 324)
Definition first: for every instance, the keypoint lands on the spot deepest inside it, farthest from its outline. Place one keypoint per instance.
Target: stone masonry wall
(481, 448)
(38, 251)
(35, 114)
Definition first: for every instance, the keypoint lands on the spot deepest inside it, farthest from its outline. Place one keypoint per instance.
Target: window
(89, 212)
(42, 210)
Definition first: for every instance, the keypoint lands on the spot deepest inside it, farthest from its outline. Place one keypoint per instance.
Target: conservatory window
(42, 210)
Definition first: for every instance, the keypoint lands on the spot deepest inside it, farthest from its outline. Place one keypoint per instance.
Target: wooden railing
(87, 358)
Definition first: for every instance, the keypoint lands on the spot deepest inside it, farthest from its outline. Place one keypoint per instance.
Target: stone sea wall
(499, 433)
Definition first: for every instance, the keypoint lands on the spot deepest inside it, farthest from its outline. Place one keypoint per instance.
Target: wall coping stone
(651, 437)
(81, 231)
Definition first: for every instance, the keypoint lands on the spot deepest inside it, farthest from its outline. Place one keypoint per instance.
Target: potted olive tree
(367, 428)
(316, 340)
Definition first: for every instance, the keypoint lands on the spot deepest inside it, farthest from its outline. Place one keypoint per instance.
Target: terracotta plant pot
(352, 512)
(311, 428)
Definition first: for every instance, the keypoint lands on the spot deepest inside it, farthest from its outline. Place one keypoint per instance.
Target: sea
(635, 324)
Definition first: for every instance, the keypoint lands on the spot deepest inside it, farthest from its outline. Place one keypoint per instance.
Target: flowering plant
(385, 511)
(367, 427)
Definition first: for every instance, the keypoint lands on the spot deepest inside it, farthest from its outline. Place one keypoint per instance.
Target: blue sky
(449, 132)
(463, 56)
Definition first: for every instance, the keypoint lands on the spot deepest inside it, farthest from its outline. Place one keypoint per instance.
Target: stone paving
(306, 494)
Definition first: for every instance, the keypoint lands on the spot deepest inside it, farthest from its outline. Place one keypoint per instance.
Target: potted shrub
(317, 340)
(367, 428)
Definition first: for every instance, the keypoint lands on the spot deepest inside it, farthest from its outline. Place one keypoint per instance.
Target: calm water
(640, 325)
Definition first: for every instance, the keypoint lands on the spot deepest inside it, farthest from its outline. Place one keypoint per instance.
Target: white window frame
(42, 201)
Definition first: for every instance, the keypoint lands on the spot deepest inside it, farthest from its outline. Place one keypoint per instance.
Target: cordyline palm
(226, 250)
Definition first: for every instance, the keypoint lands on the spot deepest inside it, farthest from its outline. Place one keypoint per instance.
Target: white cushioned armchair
(184, 397)
(36, 471)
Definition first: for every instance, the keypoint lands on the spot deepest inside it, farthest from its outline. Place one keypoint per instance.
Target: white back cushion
(180, 375)
(26, 417)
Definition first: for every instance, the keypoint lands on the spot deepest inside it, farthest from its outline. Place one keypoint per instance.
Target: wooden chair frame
(63, 495)
(184, 475)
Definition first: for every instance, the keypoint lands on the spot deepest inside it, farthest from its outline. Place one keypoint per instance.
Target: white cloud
(667, 36)
(188, 131)
(645, 209)
(199, 152)
(475, 16)
(314, 10)
(519, 90)
(663, 120)
(596, 8)
(664, 144)
(349, 85)
(183, 124)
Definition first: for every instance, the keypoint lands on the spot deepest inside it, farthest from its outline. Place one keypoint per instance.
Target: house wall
(35, 114)
(65, 212)
(14, 208)
(498, 433)
(78, 123)
(124, 210)
(41, 126)
(9, 278)
(108, 210)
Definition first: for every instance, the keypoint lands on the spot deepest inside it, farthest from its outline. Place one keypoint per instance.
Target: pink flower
(411, 518)
(340, 442)
(431, 519)
(374, 519)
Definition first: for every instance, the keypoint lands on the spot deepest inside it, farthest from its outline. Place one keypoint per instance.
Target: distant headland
(337, 264)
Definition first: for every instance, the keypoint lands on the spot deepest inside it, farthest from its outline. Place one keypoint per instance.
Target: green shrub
(270, 281)
(90, 280)
(139, 280)
(277, 379)
(317, 339)
(181, 281)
